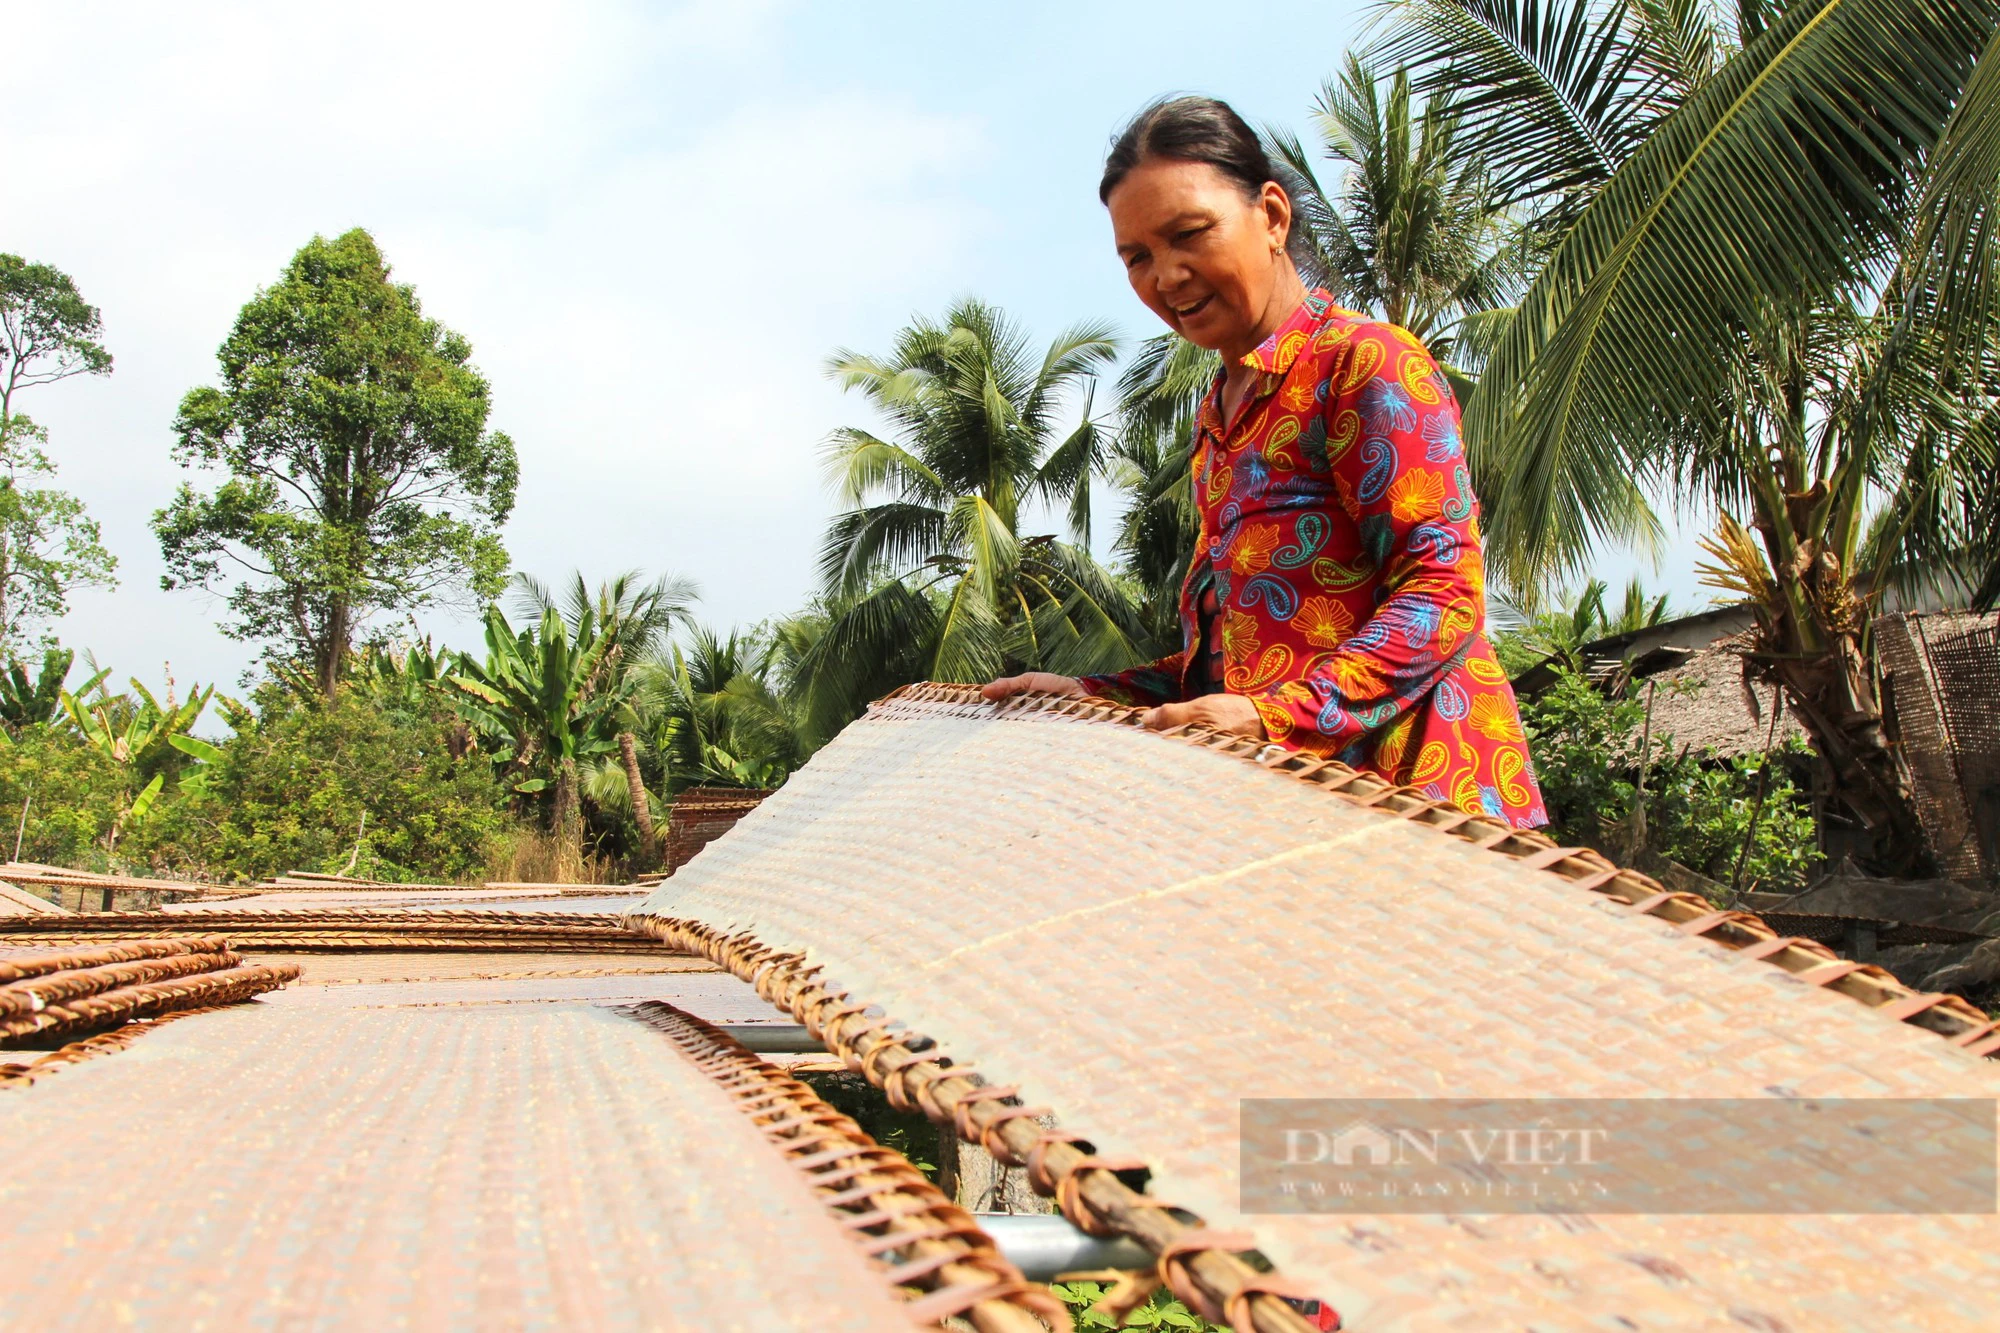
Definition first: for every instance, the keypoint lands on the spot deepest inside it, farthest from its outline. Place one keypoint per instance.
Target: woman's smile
(1188, 310)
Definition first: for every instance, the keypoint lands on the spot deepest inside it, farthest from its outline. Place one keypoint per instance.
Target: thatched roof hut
(1707, 705)
(1694, 666)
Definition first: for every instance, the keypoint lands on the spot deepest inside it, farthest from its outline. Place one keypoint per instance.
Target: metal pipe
(1043, 1245)
(773, 1038)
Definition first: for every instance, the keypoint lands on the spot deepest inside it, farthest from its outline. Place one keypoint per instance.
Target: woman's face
(1206, 258)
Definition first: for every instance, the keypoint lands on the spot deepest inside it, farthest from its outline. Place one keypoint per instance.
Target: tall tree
(930, 569)
(48, 544)
(358, 473)
(1777, 304)
(1414, 230)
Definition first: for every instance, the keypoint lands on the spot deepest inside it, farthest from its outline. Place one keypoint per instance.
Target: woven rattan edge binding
(151, 999)
(277, 918)
(1948, 1015)
(916, 1237)
(17, 1075)
(1090, 1188)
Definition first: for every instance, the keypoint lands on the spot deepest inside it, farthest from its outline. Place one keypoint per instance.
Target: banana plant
(133, 729)
(137, 732)
(25, 702)
(540, 688)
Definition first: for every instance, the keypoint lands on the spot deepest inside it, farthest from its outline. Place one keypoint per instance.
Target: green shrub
(1161, 1310)
(1698, 809)
(292, 787)
(1702, 815)
(73, 795)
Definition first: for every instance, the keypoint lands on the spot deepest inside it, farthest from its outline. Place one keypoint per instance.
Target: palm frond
(859, 464)
(863, 544)
(1548, 91)
(1780, 176)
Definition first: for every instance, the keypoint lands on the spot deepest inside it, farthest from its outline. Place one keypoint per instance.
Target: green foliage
(1562, 631)
(358, 474)
(25, 702)
(1159, 393)
(400, 677)
(1702, 817)
(302, 782)
(1586, 752)
(929, 569)
(48, 332)
(538, 691)
(48, 544)
(135, 729)
(75, 796)
(1587, 755)
(712, 714)
(906, 1132)
(1414, 231)
(1161, 1310)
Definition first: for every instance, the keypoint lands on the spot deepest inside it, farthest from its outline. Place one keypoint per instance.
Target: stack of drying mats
(1087, 971)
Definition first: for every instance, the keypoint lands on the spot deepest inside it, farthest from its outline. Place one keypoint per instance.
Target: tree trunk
(569, 825)
(642, 808)
(330, 654)
(1832, 693)
(1812, 639)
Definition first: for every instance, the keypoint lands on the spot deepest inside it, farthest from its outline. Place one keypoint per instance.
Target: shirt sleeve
(1403, 479)
(1142, 686)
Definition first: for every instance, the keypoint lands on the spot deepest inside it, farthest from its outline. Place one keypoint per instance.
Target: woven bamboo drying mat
(517, 1167)
(1142, 930)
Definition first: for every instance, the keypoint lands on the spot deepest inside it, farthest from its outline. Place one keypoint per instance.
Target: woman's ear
(1277, 207)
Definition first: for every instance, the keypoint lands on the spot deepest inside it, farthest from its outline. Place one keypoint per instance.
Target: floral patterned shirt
(1339, 539)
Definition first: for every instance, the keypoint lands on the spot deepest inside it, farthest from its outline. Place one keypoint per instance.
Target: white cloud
(651, 244)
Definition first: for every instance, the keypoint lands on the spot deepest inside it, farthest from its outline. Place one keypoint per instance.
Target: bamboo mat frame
(697, 911)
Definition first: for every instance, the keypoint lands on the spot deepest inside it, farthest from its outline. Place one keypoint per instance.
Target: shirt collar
(1274, 356)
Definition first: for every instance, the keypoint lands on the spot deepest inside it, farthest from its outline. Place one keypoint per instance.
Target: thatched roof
(1705, 704)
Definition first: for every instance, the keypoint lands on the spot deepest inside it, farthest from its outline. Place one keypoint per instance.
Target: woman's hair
(1189, 129)
(1200, 129)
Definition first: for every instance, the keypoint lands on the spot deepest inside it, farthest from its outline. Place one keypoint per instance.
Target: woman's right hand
(1032, 682)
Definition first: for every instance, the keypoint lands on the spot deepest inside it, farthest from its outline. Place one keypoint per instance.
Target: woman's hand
(1222, 712)
(1032, 682)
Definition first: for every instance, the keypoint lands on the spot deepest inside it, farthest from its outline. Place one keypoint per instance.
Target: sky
(653, 222)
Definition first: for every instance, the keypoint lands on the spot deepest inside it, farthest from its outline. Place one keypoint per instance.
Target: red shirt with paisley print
(1339, 548)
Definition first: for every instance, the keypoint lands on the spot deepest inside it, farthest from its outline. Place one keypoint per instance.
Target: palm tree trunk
(642, 809)
(1833, 695)
(569, 825)
(1812, 637)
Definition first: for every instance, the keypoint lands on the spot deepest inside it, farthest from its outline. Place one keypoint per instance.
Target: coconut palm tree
(1158, 394)
(712, 713)
(931, 570)
(1772, 299)
(1414, 230)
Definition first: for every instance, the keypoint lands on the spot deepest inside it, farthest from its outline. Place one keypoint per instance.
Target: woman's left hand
(1222, 712)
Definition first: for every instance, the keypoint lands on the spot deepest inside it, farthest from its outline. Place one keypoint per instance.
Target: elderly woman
(1336, 599)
